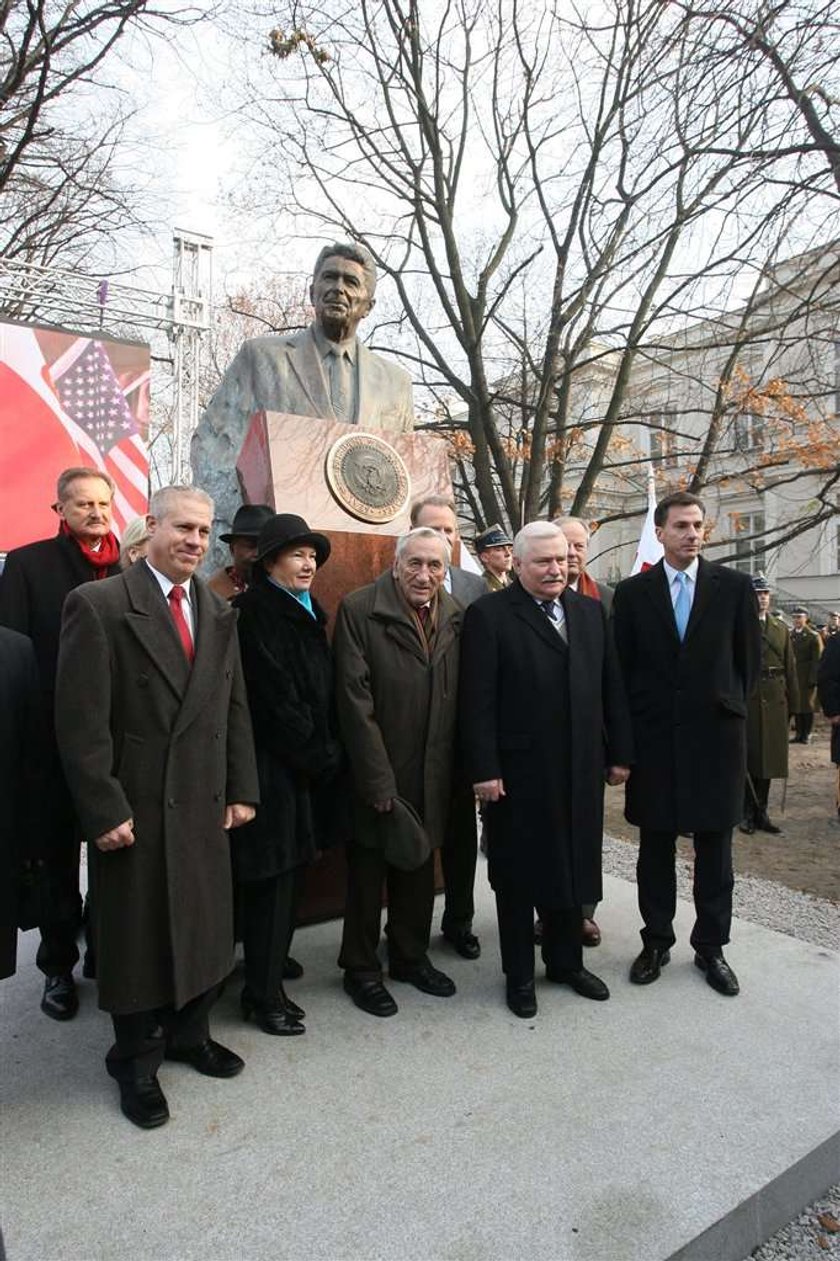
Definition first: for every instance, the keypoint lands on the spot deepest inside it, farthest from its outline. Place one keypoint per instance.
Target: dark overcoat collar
(390, 608)
(525, 607)
(655, 582)
(151, 623)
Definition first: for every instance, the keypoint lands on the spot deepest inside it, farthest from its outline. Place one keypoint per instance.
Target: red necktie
(176, 603)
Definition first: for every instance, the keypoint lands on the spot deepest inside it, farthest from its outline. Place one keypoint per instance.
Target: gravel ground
(816, 1232)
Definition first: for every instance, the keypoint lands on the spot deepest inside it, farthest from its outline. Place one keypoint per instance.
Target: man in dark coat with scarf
(33, 587)
(396, 656)
(690, 648)
(544, 721)
(154, 732)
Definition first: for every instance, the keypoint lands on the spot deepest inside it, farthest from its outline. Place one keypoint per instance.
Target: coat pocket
(733, 705)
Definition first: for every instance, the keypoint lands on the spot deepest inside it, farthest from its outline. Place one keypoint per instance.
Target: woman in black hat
(288, 672)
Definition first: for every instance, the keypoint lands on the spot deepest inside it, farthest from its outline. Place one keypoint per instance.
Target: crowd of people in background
(209, 740)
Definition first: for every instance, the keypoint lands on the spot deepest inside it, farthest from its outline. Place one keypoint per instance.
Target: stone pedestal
(284, 463)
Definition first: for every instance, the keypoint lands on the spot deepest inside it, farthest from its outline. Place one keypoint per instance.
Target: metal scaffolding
(49, 295)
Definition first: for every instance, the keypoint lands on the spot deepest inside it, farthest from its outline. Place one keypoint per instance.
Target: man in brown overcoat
(396, 656)
(155, 737)
(768, 713)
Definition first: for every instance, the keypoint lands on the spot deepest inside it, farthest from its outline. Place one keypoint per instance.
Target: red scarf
(101, 560)
(588, 586)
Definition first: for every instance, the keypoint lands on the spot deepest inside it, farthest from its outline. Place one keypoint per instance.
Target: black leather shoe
(370, 996)
(60, 1000)
(144, 1103)
(292, 970)
(294, 1009)
(272, 1017)
(463, 941)
(746, 826)
(765, 825)
(585, 983)
(210, 1058)
(425, 978)
(521, 999)
(647, 966)
(718, 974)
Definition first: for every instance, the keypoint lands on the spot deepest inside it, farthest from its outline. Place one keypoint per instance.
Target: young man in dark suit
(33, 587)
(688, 638)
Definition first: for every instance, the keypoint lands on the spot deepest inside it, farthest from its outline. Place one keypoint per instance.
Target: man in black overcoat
(688, 638)
(34, 584)
(153, 728)
(544, 720)
(828, 684)
(21, 785)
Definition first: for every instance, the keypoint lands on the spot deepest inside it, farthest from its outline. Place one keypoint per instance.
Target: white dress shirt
(166, 585)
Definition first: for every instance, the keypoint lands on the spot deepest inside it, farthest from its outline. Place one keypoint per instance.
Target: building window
(837, 549)
(748, 530)
(748, 432)
(663, 441)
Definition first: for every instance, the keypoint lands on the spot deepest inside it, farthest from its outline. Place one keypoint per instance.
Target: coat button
(171, 802)
(217, 796)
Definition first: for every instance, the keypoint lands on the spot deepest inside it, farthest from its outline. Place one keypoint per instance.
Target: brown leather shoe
(590, 933)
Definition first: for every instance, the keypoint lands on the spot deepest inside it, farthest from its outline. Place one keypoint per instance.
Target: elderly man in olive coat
(396, 655)
(155, 736)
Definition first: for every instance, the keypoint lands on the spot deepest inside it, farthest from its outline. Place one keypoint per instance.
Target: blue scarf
(302, 597)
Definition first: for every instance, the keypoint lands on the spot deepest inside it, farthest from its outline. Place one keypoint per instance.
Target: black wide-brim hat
(248, 522)
(287, 530)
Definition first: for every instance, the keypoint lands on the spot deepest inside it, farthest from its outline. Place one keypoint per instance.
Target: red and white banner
(650, 549)
(66, 401)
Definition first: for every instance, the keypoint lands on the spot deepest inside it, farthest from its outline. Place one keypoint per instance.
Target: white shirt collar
(690, 572)
(166, 584)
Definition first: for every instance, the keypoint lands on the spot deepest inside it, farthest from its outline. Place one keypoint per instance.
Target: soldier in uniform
(807, 649)
(494, 549)
(768, 714)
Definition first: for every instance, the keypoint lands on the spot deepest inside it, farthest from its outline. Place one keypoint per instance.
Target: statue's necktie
(682, 604)
(176, 604)
(341, 386)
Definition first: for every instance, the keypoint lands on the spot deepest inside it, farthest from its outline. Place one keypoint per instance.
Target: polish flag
(36, 441)
(650, 549)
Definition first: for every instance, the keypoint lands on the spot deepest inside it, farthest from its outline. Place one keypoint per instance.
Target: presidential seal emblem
(367, 477)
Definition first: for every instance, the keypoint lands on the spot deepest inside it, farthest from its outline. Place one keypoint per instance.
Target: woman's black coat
(288, 673)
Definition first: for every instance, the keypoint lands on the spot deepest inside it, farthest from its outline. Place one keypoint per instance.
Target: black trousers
(58, 952)
(141, 1038)
(561, 943)
(268, 911)
(713, 882)
(804, 725)
(458, 857)
(411, 896)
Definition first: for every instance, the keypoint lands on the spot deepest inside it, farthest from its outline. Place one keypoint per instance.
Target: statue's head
(343, 287)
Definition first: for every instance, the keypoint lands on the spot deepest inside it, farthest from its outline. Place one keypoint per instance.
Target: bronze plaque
(367, 477)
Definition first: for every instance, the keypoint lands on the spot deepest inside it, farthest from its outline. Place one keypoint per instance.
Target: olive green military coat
(771, 704)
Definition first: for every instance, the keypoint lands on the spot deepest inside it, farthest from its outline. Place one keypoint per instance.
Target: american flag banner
(93, 398)
(67, 400)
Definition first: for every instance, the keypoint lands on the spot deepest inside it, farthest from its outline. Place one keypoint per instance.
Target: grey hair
(561, 521)
(71, 475)
(134, 534)
(432, 501)
(422, 532)
(162, 501)
(533, 531)
(356, 254)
